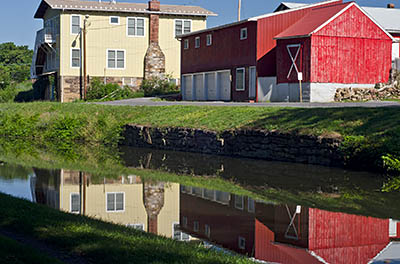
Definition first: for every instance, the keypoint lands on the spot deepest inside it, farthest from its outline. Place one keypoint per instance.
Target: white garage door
(211, 87)
(199, 87)
(224, 85)
(187, 87)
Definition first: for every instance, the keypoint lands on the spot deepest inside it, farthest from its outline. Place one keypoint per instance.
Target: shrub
(158, 86)
(8, 94)
(111, 91)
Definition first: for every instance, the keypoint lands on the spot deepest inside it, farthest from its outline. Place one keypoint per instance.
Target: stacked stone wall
(259, 144)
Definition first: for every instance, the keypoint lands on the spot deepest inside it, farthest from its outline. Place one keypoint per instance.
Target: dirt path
(65, 257)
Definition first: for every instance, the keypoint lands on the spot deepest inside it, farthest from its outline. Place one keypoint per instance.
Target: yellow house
(128, 201)
(121, 42)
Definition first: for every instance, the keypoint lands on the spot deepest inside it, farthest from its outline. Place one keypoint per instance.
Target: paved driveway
(152, 102)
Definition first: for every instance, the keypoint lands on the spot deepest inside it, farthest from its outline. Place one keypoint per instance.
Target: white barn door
(224, 85)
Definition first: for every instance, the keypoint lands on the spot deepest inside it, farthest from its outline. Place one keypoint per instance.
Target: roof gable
(125, 7)
(311, 22)
(334, 21)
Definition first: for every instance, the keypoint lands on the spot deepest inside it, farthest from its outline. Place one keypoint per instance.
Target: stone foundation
(259, 144)
(72, 90)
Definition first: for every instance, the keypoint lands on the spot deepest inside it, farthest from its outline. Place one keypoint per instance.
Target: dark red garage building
(328, 45)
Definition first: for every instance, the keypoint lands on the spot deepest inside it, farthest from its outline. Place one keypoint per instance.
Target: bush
(8, 94)
(158, 86)
(111, 91)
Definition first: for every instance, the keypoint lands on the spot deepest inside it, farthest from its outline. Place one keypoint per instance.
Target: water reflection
(280, 233)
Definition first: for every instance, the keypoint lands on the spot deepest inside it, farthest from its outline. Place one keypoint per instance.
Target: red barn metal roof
(318, 18)
(312, 21)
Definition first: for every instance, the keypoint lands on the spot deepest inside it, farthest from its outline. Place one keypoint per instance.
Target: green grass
(13, 252)
(368, 133)
(98, 241)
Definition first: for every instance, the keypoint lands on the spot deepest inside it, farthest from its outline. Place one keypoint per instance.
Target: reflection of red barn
(339, 46)
(314, 236)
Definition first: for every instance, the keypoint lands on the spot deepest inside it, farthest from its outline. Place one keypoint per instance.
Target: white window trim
(115, 211)
(116, 50)
(195, 42)
(248, 205)
(80, 59)
(70, 24)
(185, 221)
(207, 228)
(119, 20)
(70, 203)
(198, 226)
(209, 37)
(239, 244)
(241, 30)
(183, 25)
(127, 27)
(244, 79)
(186, 41)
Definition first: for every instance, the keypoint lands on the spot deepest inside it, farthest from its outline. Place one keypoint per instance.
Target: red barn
(281, 233)
(333, 45)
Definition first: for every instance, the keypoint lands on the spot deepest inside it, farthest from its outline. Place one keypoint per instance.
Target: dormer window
(243, 33)
(114, 20)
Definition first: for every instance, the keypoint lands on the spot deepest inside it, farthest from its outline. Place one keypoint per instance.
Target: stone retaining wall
(366, 94)
(259, 144)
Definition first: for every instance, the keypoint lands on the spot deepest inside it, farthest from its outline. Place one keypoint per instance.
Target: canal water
(294, 213)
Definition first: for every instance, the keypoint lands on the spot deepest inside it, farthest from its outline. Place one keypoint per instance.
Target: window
(251, 205)
(239, 202)
(182, 26)
(75, 203)
(240, 78)
(115, 59)
(139, 227)
(195, 226)
(184, 221)
(75, 58)
(115, 202)
(75, 24)
(209, 40)
(207, 230)
(243, 33)
(135, 26)
(114, 20)
(186, 44)
(242, 242)
(197, 42)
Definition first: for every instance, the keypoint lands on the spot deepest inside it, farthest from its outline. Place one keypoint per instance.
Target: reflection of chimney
(153, 202)
(390, 5)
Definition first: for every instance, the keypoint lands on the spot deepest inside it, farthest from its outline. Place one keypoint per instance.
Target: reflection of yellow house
(120, 39)
(118, 201)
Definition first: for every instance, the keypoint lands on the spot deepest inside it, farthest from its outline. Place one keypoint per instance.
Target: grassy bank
(97, 241)
(368, 133)
(13, 252)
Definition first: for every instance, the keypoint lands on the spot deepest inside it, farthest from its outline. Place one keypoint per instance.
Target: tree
(15, 63)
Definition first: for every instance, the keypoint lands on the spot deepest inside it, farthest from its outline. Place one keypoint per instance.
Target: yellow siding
(134, 210)
(169, 214)
(102, 36)
(171, 46)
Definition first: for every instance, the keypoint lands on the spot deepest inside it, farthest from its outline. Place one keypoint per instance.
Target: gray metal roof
(388, 18)
(391, 254)
(291, 5)
(106, 6)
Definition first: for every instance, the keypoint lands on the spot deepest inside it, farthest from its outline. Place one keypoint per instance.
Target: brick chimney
(390, 6)
(154, 62)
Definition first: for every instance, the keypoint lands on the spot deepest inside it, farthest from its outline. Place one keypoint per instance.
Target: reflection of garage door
(199, 87)
(224, 85)
(187, 87)
(211, 87)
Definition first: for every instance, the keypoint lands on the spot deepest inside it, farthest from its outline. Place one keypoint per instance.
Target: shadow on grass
(98, 241)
